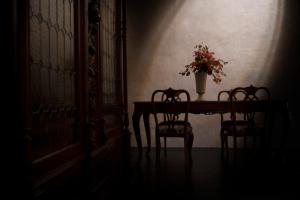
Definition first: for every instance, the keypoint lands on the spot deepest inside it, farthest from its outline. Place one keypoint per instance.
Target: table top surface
(214, 106)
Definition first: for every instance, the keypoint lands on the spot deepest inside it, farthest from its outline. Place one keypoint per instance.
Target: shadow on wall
(275, 35)
(147, 21)
(286, 67)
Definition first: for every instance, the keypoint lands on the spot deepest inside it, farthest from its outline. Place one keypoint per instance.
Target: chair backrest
(170, 112)
(250, 94)
(224, 96)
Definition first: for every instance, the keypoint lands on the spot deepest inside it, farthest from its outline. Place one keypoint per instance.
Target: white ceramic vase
(200, 78)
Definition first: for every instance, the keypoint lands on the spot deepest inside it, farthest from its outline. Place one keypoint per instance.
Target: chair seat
(229, 123)
(175, 130)
(243, 128)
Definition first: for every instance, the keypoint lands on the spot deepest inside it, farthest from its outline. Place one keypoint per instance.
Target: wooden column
(124, 55)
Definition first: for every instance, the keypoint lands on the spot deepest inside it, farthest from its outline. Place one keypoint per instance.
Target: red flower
(205, 61)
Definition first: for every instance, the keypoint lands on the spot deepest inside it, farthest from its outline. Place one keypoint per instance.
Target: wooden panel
(104, 70)
(109, 42)
(110, 64)
(59, 97)
(52, 72)
(105, 89)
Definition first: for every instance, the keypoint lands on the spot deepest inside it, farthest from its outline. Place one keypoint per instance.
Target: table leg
(147, 129)
(136, 127)
(285, 132)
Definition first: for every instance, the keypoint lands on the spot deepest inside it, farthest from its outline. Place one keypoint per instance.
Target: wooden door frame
(44, 169)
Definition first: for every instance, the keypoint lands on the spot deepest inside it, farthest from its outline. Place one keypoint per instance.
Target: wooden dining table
(145, 108)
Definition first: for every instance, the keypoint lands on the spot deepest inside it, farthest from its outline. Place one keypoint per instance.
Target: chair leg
(191, 140)
(187, 148)
(234, 150)
(264, 146)
(165, 144)
(254, 147)
(264, 142)
(226, 149)
(222, 144)
(245, 149)
(157, 138)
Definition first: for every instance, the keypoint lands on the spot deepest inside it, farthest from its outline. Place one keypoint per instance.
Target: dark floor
(276, 177)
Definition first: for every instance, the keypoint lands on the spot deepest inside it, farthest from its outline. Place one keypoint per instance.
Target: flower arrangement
(205, 61)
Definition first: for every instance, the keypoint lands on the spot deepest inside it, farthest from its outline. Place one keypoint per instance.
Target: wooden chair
(247, 124)
(225, 122)
(173, 122)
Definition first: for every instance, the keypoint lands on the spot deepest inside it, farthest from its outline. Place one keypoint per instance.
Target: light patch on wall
(244, 33)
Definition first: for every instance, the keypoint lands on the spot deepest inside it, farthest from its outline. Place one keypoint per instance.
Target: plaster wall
(161, 38)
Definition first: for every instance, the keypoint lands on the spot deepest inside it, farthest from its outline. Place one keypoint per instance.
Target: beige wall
(163, 33)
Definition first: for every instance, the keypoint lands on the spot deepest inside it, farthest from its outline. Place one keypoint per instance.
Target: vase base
(200, 97)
